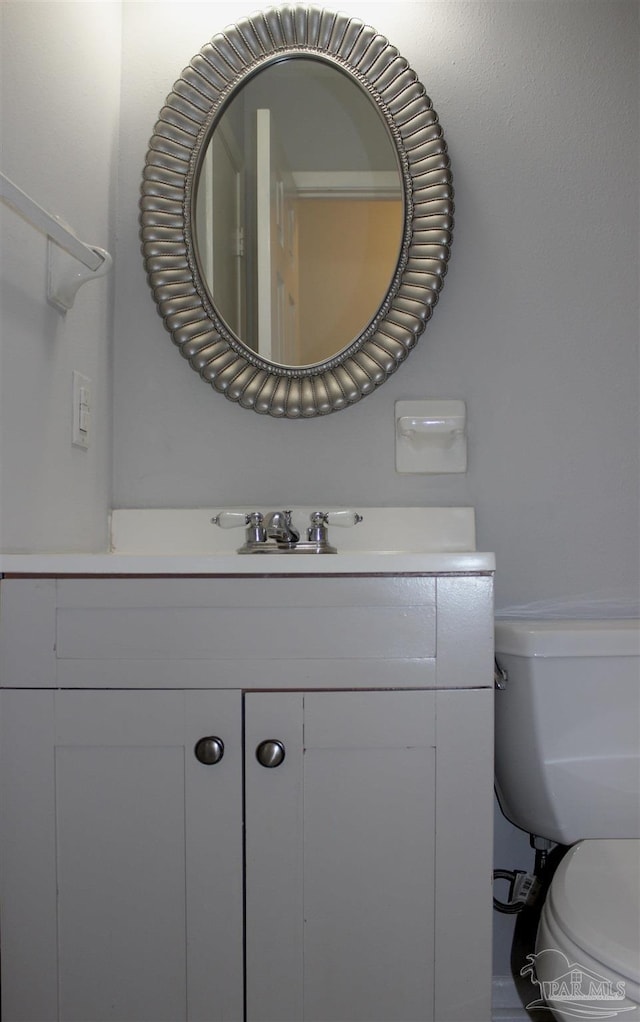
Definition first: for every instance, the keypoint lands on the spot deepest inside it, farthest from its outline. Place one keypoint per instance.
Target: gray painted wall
(60, 99)
(537, 327)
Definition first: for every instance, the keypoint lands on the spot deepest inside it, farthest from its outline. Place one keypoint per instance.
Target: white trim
(506, 1004)
(351, 184)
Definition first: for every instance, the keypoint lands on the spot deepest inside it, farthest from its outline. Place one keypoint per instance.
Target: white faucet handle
(345, 519)
(231, 519)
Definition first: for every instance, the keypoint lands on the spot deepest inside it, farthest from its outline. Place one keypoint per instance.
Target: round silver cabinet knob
(270, 753)
(209, 750)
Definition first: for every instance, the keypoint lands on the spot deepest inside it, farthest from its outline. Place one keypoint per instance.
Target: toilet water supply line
(525, 888)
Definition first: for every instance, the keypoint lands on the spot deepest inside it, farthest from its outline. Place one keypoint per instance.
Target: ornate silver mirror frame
(183, 129)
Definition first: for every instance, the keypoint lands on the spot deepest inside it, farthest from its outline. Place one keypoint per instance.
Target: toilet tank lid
(565, 638)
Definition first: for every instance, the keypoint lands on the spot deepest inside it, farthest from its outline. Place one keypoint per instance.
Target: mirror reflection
(299, 211)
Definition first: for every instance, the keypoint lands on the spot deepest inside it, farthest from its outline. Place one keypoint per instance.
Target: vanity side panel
(464, 631)
(27, 633)
(464, 855)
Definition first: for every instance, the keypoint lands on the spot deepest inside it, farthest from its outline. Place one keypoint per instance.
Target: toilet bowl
(568, 769)
(588, 943)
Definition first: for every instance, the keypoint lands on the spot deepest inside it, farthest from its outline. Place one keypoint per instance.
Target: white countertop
(246, 564)
(183, 541)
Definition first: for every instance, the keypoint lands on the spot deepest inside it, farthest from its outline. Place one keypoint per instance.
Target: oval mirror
(297, 211)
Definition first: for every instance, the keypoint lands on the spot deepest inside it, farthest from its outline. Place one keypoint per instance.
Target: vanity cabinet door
(340, 856)
(117, 845)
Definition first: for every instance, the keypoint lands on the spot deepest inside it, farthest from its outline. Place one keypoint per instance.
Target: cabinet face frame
(69, 726)
(458, 677)
(52, 632)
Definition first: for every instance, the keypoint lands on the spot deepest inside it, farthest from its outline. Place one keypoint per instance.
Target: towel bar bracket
(65, 275)
(70, 262)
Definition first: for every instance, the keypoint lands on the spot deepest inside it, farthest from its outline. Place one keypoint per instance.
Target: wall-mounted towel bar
(65, 275)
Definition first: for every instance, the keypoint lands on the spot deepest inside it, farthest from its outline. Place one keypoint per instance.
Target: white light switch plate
(81, 410)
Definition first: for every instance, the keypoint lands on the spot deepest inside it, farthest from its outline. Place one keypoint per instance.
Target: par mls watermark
(573, 990)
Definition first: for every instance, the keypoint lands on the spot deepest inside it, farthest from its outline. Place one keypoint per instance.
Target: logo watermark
(573, 990)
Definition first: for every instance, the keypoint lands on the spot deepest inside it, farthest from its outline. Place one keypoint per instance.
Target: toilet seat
(551, 936)
(594, 899)
(591, 916)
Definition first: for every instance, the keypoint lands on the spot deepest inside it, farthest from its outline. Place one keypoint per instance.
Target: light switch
(81, 410)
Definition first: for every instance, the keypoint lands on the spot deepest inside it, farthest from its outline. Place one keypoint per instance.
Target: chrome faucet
(275, 531)
(278, 526)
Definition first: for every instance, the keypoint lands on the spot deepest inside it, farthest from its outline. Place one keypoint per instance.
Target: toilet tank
(567, 737)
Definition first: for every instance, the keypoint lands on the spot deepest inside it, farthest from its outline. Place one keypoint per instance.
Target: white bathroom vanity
(323, 855)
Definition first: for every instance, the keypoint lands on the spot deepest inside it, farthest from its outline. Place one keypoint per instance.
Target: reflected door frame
(220, 229)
